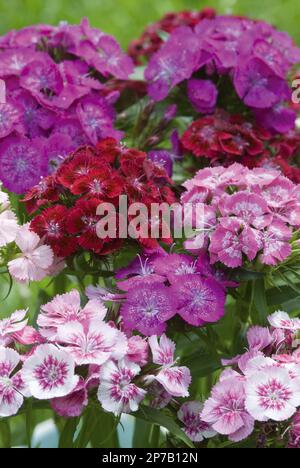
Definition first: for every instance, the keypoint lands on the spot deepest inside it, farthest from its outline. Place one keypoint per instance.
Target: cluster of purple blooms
(54, 97)
(69, 337)
(247, 215)
(160, 286)
(252, 54)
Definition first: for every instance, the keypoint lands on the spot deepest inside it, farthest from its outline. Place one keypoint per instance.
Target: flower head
(12, 387)
(49, 373)
(196, 429)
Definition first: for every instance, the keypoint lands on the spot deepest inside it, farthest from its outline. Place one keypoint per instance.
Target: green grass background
(125, 19)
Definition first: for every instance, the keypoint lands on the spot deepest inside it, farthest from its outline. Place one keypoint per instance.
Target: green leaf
(142, 433)
(89, 421)
(260, 301)
(67, 436)
(201, 364)
(159, 418)
(5, 433)
(138, 74)
(278, 296)
(105, 432)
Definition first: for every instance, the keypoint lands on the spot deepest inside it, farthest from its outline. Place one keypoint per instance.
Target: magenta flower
(96, 117)
(137, 350)
(257, 85)
(9, 116)
(14, 60)
(196, 429)
(117, 393)
(93, 342)
(12, 387)
(34, 119)
(22, 163)
(147, 308)
(199, 300)
(272, 394)
(49, 373)
(225, 410)
(203, 95)
(57, 148)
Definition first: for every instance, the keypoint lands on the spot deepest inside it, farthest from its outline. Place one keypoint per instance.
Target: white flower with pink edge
(272, 394)
(196, 429)
(117, 393)
(12, 387)
(283, 321)
(49, 373)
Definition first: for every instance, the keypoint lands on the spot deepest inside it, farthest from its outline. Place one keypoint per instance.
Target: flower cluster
(252, 55)
(224, 139)
(55, 97)
(262, 385)
(68, 200)
(70, 337)
(159, 286)
(247, 214)
(151, 40)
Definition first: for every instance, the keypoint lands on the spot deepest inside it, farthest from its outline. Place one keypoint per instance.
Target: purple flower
(203, 95)
(96, 117)
(9, 116)
(147, 308)
(12, 61)
(279, 118)
(43, 79)
(199, 300)
(257, 85)
(57, 148)
(175, 62)
(22, 163)
(162, 159)
(71, 127)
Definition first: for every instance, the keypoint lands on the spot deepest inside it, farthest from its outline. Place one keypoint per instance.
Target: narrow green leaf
(105, 433)
(67, 436)
(5, 433)
(159, 418)
(142, 432)
(260, 301)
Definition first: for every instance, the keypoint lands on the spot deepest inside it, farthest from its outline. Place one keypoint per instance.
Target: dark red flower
(100, 183)
(82, 222)
(46, 192)
(51, 226)
(201, 138)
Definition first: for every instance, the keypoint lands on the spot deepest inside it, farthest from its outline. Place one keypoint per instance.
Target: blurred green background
(125, 19)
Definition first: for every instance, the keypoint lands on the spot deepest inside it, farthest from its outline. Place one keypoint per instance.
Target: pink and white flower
(67, 308)
(196, 429)
(117, 393)
(175, 380)
(12, 325)
(271, 393)
(8, 226)
(283, 321)
(72, 405)
(12, 387)
(225, 410)
(93, 342)
(35, 259)
(259, 338)
(49, 373)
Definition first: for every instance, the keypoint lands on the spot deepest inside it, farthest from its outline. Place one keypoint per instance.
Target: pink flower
(93, 342)
(175, 380)
(259, 338)
(229, 243)
(12, 387)
(272, 394)
(276, 246)
(250, 209)
(49, 373)
(137, 350)
(160, 398)
(196, 429)
(72, 405)
(11, 325)
(35, 259)
(67, 308)
(225, 410)
(117, 394)
(8, 227)
(283, 321)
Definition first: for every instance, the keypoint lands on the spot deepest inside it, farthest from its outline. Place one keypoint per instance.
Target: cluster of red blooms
(150, 42)
(225, 139)
(65, 203)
